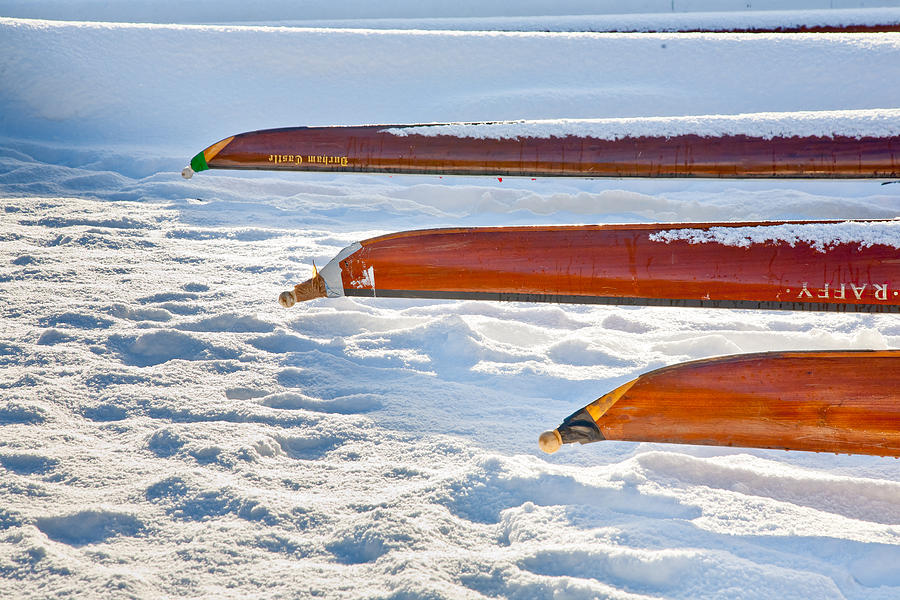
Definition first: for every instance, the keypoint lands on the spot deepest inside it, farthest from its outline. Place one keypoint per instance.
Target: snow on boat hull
(829, 401)
(826, 266)
(786, 145)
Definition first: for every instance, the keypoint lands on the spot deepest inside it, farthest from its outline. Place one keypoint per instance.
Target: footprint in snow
(160, 346)
(27, 464)
(89, 526)
(344, 405)
(13, 413)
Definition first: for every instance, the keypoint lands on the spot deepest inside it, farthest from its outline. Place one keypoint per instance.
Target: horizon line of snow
(424, 11)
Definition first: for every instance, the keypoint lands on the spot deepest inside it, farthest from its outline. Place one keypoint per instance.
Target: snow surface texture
(168, 430)
(176, 84)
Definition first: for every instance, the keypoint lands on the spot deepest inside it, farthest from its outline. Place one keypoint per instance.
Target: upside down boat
(801, 265)
(824, 144)
(827, 401)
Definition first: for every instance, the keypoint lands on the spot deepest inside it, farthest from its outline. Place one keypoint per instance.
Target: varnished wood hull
(411, 149)
(829, 401)
(703, 265)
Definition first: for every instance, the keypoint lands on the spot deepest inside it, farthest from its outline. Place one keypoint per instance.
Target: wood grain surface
(830, 401)
(621, 264)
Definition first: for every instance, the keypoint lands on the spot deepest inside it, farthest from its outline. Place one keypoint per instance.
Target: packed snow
(168, 430)
(826, 124)
(819, 236)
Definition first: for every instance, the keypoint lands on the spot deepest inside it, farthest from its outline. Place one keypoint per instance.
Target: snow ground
(168, 430)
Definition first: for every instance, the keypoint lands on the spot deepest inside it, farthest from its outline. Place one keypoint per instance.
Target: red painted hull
(655, 264)
(375, 149)
(831, 401)
(886, 27)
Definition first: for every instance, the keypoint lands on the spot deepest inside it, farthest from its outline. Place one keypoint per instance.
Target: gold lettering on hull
(286, 159)
(877, 291)
(310, 159)
(340, 161)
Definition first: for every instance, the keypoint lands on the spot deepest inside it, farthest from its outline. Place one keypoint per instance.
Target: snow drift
(166, 429)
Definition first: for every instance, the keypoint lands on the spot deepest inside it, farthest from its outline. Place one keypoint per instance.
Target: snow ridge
(830, 123)
(168, 430)
(820, 236)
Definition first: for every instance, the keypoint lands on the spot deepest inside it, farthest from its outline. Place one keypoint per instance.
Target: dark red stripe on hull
(620, 301)
(373, 149)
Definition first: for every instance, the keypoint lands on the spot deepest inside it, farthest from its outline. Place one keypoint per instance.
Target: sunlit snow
(167, 430)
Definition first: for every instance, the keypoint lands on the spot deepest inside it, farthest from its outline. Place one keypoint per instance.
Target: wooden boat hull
(842, 266)
(886, 27)
(525, 149)
(829, 401)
